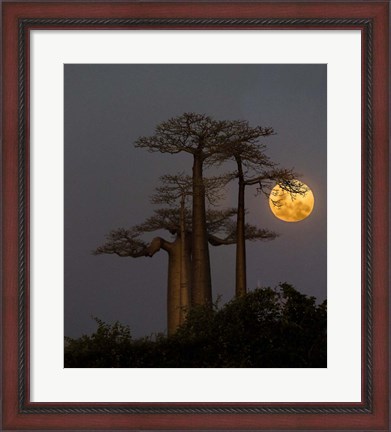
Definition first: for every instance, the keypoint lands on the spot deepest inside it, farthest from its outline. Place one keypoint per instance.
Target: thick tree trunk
(201, 281)
(174, 288)
(185, 275)
(240, 288)
(173, 250)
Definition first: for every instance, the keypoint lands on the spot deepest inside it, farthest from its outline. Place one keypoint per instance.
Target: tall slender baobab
(176, 190)
(254, 167)
(201, 137)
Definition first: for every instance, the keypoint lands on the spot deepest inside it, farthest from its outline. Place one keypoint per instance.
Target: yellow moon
(291, 207)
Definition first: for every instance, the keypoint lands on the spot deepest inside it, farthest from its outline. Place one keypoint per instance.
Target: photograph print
(195, 215)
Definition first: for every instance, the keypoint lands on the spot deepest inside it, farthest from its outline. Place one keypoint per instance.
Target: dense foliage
(269, 328)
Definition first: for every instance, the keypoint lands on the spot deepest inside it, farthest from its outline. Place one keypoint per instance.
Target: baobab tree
(211, 142)
(174, 190)
(128, 243)
(201, 137)
(253, 167)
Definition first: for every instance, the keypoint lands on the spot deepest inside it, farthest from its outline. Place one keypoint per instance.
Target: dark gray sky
(108, 181)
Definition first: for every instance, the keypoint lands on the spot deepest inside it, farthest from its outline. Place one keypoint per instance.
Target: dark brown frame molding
(18, 18)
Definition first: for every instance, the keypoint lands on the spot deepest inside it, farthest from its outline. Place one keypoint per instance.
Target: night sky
(108, 181)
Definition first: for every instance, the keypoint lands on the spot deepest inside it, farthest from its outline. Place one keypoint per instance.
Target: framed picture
(194, 230)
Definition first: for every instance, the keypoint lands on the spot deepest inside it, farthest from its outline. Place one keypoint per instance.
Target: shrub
(266, 328)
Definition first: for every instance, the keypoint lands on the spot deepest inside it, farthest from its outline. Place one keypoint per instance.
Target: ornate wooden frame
(372, 413)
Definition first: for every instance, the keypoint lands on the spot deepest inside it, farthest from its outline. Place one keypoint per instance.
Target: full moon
(291, 207)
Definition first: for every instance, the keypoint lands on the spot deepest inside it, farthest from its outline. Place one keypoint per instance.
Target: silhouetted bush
(267, 328)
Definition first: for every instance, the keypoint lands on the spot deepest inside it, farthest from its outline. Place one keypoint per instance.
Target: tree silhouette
(176, 190)
(127, 243)
(253, 167)
(211, 142)
(202, 137)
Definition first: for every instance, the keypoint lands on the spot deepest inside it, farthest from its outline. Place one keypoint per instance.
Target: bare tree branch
(252, 233)
(122, 242)
(189, 133)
